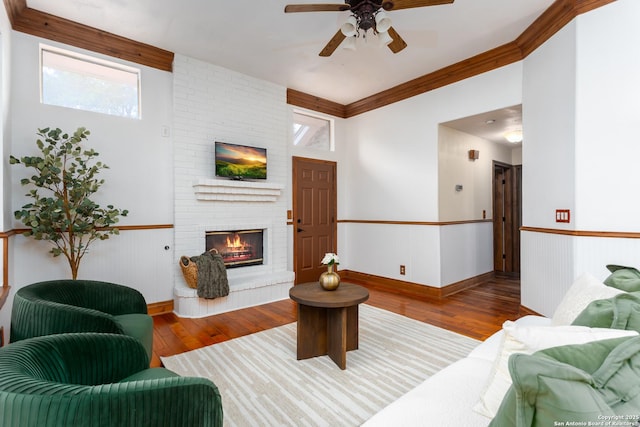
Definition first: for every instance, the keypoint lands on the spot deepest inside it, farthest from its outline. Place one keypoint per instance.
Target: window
(85, 83)
(312, 132)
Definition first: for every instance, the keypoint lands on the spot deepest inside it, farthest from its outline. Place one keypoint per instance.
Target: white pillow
(528, 340)
(584, 290)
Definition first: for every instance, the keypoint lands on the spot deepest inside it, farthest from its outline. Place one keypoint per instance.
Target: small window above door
(312, 132)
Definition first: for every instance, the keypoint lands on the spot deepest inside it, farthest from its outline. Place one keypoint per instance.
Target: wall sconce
(474, 154)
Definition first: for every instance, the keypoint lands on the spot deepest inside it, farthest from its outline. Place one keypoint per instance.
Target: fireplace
(239, 248)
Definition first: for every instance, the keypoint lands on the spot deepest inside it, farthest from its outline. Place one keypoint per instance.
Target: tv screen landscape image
(240, 161)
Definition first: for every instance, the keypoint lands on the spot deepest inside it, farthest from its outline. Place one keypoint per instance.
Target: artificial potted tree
(61, 210)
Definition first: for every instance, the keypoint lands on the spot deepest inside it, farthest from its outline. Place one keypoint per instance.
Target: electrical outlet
(402, 270)
(563, 215)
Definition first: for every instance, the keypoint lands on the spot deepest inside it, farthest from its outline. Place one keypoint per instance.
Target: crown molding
(14, 9)
(487, 61)
(51, 27)
(559, 14)
(314, 103)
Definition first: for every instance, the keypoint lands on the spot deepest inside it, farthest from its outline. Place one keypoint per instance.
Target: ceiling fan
(365, 15)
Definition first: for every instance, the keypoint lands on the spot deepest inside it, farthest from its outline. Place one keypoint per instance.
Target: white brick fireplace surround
(214, 104)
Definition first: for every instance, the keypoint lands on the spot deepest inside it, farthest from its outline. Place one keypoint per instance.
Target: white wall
(392, 158)
(607, 148)
(548, 173)
(475, 176)
(140, 179)
(548, 118)
(5, 137)
(516, 156)
(608, 118)
(216, 104)
(5, 123)
(466, 250)
(580, 104)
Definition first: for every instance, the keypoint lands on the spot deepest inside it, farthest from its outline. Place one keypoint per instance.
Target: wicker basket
(189, 271)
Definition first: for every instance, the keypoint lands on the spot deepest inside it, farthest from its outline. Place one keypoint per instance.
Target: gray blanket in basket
(212, 275)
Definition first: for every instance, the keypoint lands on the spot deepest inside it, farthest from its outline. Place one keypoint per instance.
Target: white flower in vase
(329, 280)
(330, 259)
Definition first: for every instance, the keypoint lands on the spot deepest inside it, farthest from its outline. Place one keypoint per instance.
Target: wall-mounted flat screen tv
(240, 161)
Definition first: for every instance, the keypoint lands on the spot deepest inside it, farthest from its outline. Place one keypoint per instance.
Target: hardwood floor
(477, 312)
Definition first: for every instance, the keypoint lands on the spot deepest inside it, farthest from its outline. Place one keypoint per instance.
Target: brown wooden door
(499, 218)
(314, 216)
(507, 190)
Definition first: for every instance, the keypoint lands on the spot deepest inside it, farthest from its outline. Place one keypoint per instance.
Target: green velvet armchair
(93, 379)
(60, 306)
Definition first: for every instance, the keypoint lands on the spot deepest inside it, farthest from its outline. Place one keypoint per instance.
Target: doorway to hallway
(507, 217)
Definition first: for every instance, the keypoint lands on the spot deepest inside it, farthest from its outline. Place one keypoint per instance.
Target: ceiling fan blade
(408, 4)
(398, 43)
(333, 44)
(315, 8)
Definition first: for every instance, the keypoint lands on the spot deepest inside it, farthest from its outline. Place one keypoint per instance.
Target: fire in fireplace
(238, 248)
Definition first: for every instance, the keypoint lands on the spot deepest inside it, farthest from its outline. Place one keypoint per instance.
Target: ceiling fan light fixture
(365, 15)
(384, 38)
(383, 22)
(349, 43)
(387, 5)
(350, 27)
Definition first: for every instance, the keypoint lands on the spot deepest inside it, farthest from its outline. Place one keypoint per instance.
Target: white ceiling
(491, 125)
(256, 38)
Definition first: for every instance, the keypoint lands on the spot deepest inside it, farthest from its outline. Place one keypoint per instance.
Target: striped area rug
(262, 383)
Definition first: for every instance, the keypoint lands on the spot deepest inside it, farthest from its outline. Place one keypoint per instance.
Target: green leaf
(63, 180)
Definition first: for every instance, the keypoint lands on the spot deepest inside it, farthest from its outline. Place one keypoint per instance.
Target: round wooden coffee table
(327, 320)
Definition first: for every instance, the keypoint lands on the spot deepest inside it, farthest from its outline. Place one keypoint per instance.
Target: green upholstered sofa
(94, 379)
(59, 306)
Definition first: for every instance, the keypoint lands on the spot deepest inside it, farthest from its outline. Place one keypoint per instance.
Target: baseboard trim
(161, 307)
(525, 311)
(414, 288)
(469, 283)
(164, 307)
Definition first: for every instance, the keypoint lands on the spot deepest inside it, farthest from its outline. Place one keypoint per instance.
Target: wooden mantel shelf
(236, 191)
